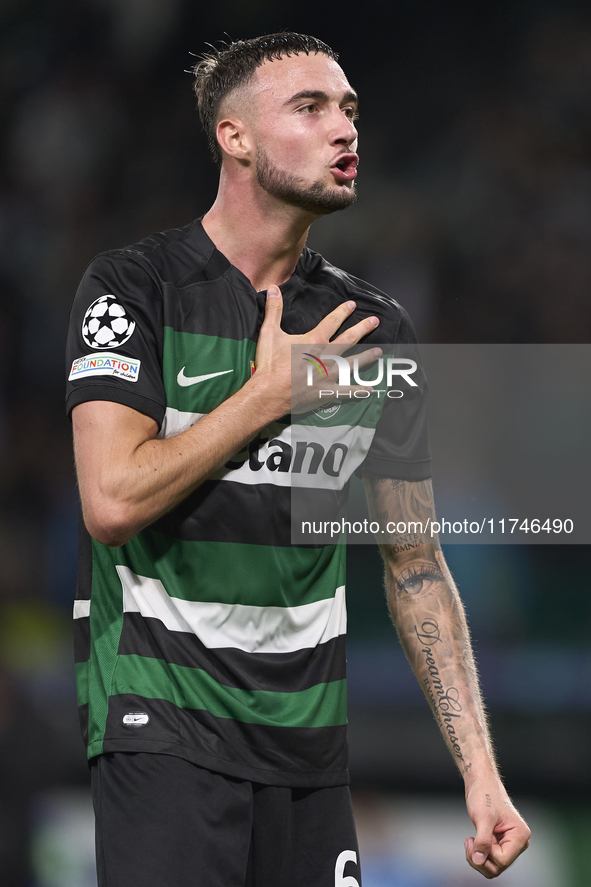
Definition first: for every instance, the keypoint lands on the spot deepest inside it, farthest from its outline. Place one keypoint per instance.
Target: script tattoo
(406, 500)
(431, 698)
(406, 543)
(445, 702)
(488, 801)
(404, 510)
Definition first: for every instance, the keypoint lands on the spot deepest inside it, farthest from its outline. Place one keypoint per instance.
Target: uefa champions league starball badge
(106, 324)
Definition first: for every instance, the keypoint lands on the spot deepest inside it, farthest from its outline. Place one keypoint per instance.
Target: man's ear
(234, 138)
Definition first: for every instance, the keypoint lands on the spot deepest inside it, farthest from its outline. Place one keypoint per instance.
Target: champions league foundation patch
(105, 364)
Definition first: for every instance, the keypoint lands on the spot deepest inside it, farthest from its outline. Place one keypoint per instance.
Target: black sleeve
(400, 448)
(114, 348)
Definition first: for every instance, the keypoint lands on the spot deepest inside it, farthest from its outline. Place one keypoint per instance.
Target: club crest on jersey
(107, 324)
(328, 412)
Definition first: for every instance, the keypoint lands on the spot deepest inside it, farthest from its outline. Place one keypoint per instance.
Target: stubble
(318, 198)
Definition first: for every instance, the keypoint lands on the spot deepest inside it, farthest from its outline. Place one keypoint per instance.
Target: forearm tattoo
(428, 614)
(444, 702)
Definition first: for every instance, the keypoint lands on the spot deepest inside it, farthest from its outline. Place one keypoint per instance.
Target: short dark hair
(220, 72)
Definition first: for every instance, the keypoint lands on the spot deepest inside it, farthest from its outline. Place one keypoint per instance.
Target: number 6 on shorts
(342, 859)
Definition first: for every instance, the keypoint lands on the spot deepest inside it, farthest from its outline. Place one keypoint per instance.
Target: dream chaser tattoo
(445, 703)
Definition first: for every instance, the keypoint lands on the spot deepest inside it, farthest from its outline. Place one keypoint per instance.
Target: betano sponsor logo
(319, 457)
(303, 456)
(105, 364)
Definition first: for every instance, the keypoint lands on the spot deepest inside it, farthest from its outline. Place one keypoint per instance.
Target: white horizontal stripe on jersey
(81, 609)
(176, 421)
(248, 628)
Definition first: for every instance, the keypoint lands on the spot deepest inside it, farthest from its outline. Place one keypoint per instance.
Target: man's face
(303, 127)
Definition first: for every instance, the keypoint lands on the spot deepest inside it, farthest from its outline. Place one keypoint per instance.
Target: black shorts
(164, 822)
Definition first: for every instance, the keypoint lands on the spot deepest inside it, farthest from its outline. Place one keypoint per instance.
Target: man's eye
(351, 113)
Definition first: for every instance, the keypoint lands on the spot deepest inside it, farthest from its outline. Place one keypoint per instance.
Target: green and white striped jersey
(209, 635)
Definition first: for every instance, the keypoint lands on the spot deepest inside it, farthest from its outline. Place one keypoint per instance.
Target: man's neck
(259, 235)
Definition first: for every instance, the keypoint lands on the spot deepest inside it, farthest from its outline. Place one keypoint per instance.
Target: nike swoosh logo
(185, 381)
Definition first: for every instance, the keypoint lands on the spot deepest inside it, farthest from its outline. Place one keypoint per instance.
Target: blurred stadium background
(474, 211)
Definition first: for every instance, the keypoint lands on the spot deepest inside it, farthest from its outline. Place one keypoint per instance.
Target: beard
(318, 198)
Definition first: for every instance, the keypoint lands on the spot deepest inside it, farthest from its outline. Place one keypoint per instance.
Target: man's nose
(345, 132)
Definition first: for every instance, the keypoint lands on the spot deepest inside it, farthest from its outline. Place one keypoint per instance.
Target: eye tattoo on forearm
(418, 577)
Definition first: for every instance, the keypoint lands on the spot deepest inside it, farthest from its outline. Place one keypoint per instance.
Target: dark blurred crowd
(482, 229)
(474, 212)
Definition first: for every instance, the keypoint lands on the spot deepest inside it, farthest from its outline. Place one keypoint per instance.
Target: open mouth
(344, 168)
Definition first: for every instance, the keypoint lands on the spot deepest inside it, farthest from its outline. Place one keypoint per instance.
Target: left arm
(429, 617)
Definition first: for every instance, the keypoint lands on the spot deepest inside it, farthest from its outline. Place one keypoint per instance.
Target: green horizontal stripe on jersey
(106, 624)
(324, 705)
(360, 413)
(200, 355)
(234, 572)
(81, 672)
